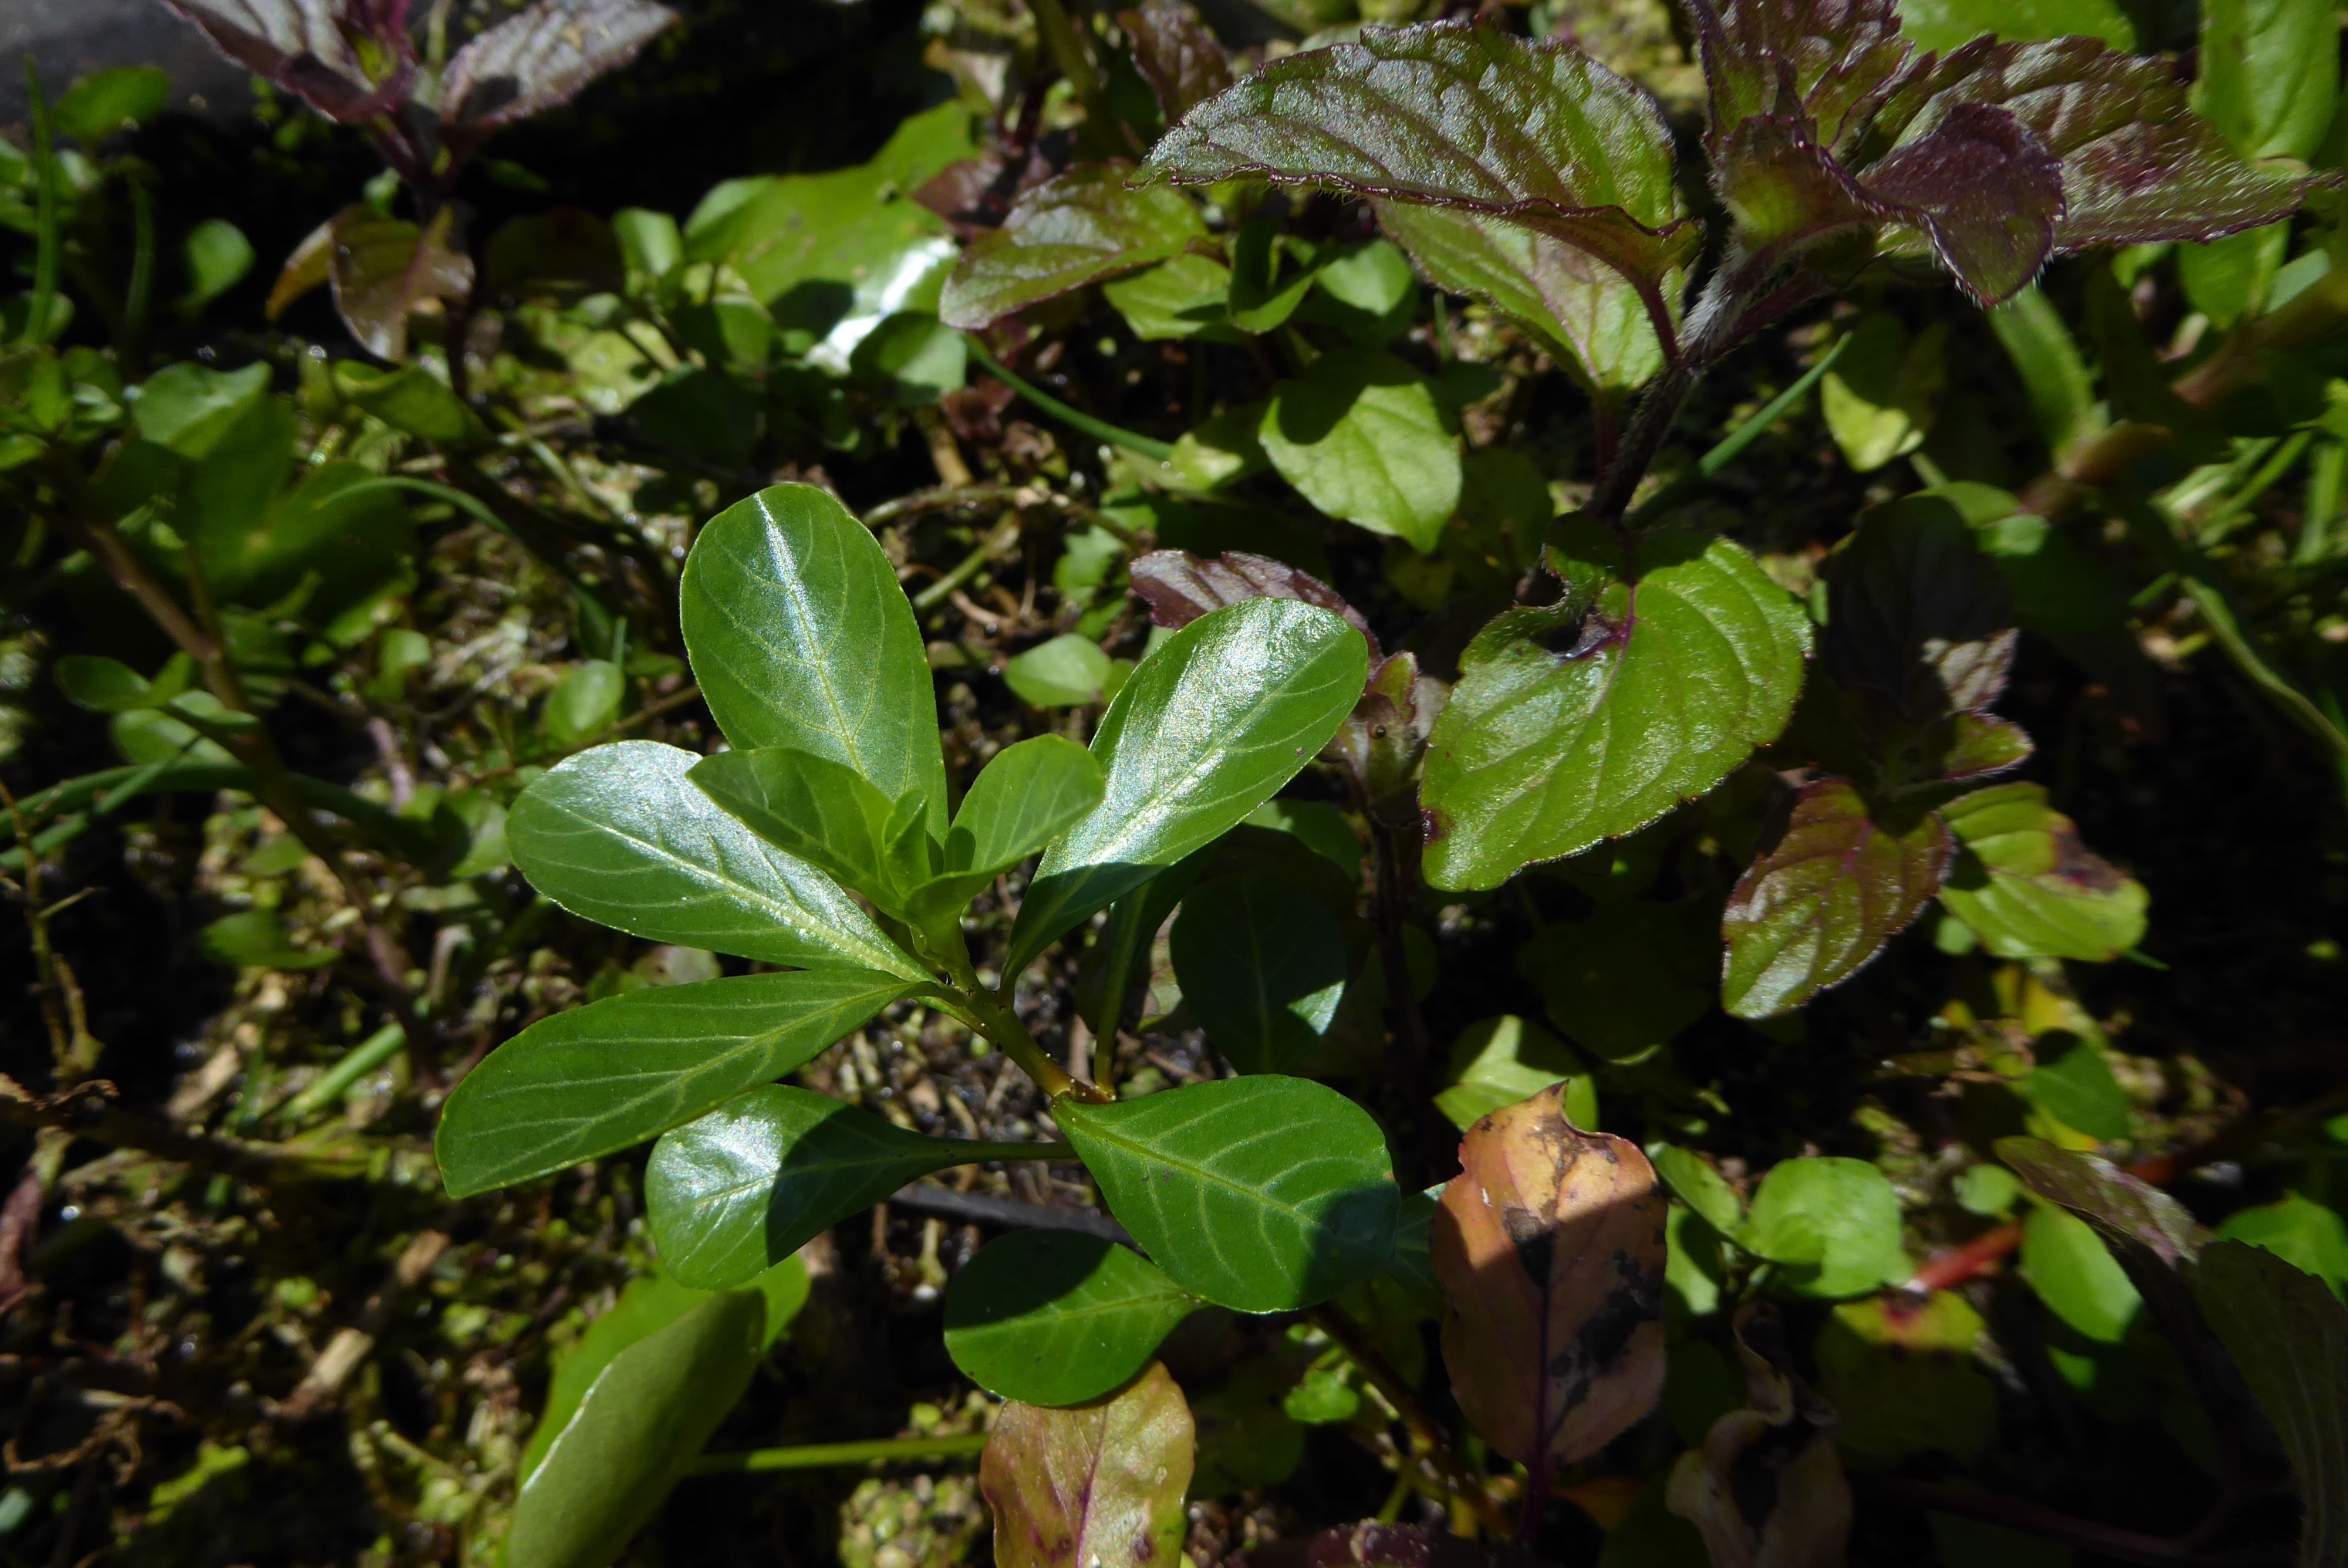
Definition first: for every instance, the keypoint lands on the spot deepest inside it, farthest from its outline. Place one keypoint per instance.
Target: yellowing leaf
(1098, 1485)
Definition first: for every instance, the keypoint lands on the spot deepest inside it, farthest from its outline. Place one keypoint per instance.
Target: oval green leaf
(2028, 888)
(603, 1077)
(1588, 718)
(758, 1178)
(809, 806)
(800, 637)
(1056, 1317)
(1207, 729)
(1362, 437)
(1262, 963)
(618, 836)
(1832, 1222)
(1263, 1195)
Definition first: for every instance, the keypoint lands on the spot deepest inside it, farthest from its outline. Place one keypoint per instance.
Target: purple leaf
(1075, 229)
(1174, 50)
(1986, 192)
(1827, 60)
(1813, 910)
(2107, 1198)
(543, 57)
(1462, 117)
(301, 46)
(1179, 588)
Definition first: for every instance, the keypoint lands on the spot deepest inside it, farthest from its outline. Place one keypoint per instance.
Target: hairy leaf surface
(800, 636)
(602, 1078)
(1836, 886)
(530, 62)
(1076, 227)
(1550, 1246)
(1099, 1485)
(1586, 720)
(1206, 729)
(1261, 1193)
(1057, 1318)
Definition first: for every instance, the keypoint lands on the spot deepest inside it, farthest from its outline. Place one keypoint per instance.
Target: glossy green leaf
(2305, 1234)
(585, 702)
(613, 1073)
(1832, 1222)
(1181, 297)
(1533, 132)
(650, 1303)
(913, 357)
(811, 808)
(1822, 902)
(1099, 1485)
(800, 637)
(1943, 26)
(2270, 74)
(1029, 795)
(758, 1178)
(637, 1429)
(2075, 1276)
(1261, 1193)
(1068, 671)
(1080, 227)
(1262, 963)
(1694, 1183)
(2289, 1337)
(1057, 1318)
(188, 407)
(620, 835)
(1362, 438)
(1592, 318)
(1499, 1061)
(2028, 888)
(1582, 721)
(1206, 729)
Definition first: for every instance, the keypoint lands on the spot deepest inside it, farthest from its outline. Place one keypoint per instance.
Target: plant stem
(140, 286)
(45, 251)
(1439, 1465)
(1393, 955)
(2088, 1535)
(824, 1456)
(353, 1065)
(998, 1023)
(1075, 418)
(1732, 446)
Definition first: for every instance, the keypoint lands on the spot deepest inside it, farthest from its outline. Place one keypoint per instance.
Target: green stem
(45, 254)
(355, 1065)
(825, 1456)
(969, 565)
(999, 1024)
(975, 1151)
(141, 285)
(2227, 632)
(1067, 47)
(1075, 418)
(1732, 446)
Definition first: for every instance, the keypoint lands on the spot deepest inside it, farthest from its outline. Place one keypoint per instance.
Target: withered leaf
(1550, 1247)
(1180, 587)
(1098, 1485)
(382, 269)
(1766, 1488)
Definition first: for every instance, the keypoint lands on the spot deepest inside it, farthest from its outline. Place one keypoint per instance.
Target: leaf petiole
(822, 1456)
(1075, 418)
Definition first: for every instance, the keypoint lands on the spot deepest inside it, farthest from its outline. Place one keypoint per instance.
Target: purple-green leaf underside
(1078, 227)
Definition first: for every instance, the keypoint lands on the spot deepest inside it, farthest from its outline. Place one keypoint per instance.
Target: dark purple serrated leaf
(1817, 906)
(1830, 60)
(1457, 115)
(1917, 614)
(1180, 587)
(382, 269)
(2105, 1197)
(1985, 191)
(1076, 227)
(301, 46)
(543, 57)
(2138, 165)
(1976, 745)
(1177, 54)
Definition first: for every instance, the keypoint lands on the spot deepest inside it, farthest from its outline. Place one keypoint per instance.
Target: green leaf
(2302, 1233)
(1097, 1486)
(1631, 978)
(758, 1178)
(1816, 907)
(412, 400)
(1028, 796)
(2028, 888)
(104, 102)
(1501, 1062)
(382, 269)
(1582, 721)
(620, 835)
(258, 939)
(218, 256)
(1919, 616)
(1068, 671)
(1694, 1183)
(1080, 227)
(2289, 1337)
(2129, 1210)
(1942, 25)
(2061, 390)
(1884, 389)
(1262, 963)
(1206, 729)
(2073, 1084)
(913, 357)
(2075, 1276)
(1832, 1222)
(638, 1429)
(1362, 438)
(1592, 318)
(1261, 1193)
(800, 637)
(585, 702)
(188, 407)
(1182, 297)
(812, 809)
(1465, 117)
(650, 1303)
(604, 1077)
(2270, 74)
(1903, 1379)
(104, 685)
(1057, 1318)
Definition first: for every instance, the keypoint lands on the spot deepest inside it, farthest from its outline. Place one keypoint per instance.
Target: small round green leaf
(1056, 1317)
(1362, 437)
(1262, 1193)
(1833, 1223)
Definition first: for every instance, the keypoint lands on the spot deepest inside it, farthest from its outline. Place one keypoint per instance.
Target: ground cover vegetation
(1275, 782)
